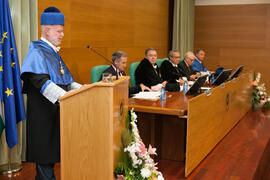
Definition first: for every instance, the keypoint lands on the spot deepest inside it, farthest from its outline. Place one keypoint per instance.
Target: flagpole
(10, 168)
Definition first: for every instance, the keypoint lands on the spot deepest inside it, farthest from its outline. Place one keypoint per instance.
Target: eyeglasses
(191, 59)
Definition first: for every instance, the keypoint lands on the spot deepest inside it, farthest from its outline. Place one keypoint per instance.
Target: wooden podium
(91, 122)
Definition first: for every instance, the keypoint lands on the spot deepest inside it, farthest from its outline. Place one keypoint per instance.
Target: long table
(186, 128)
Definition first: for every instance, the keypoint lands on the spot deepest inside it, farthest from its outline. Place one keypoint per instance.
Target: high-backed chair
(97, 71)
(160, 61)
(132, 69)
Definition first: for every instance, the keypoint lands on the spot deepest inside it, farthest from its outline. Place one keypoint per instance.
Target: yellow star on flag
(5, 35)
(11, 49)
(12, 64)
(1, 68)
(1, 54)
(9, 92)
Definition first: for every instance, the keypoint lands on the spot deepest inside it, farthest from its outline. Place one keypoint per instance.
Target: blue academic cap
(52, 16)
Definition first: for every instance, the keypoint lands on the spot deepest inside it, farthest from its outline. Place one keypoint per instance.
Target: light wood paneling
(207, 125)
(234, 35)
(131, 26)
(92, 120)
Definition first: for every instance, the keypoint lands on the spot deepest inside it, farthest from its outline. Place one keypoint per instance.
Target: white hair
(190, 55)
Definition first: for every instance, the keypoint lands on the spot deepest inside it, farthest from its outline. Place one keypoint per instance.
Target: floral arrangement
(137, 163)
(259, 95)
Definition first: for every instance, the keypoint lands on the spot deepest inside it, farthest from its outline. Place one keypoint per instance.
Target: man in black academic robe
(119, 60)
(170, 71)
(148, 72)
(185, 67)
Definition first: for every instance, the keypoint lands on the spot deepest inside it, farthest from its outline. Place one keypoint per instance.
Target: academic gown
(147, 74)
(170, 74)
(186, 71)
(198, 66)
(42, 63)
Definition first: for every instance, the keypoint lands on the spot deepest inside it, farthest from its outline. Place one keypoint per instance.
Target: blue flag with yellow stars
(10, 84)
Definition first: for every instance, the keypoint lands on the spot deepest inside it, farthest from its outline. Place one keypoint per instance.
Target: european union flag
(10, 83)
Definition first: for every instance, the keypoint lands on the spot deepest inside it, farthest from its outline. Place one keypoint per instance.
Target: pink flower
(142, 148)
(261, 102)
(120, 177)
(151, 151)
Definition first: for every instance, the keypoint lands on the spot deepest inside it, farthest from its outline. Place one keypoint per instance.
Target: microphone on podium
(106, 59)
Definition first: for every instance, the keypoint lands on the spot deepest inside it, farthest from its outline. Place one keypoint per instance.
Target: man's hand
(143, 87)
(164, 83)
(193, 77)
(181, 81)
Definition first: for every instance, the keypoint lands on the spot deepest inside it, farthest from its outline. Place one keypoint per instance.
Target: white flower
(145, 173)
(134, 115)
(258, 77)
(160, 177)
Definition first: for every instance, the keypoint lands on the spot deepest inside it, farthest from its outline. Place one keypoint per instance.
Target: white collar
(186, 63)
(116, 70)
(174, 65)
(199, 61)
(56, 49)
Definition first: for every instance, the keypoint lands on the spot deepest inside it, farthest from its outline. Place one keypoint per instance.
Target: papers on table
(190, 83)
(206, 88)
(147, 95)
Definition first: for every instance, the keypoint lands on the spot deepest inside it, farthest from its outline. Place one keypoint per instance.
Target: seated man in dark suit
(185, 66)
(119, 59)
(170, 71)
(148, 73)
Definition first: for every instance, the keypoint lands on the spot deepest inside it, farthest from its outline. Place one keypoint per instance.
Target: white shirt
(199, 61)
(56, 49)
(174, 65)
(117, 71)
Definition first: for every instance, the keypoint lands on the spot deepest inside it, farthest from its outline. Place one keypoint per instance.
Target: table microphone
(106, 59)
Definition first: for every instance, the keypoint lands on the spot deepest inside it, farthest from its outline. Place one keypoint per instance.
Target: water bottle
(163, 95)
(185, 88)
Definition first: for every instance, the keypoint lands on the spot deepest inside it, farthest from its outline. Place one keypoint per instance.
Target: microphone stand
(106, 59)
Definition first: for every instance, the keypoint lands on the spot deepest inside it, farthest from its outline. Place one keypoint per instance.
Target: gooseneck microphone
(106, 59)
(91, 48)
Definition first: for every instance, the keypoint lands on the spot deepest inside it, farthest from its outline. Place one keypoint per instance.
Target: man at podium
(45, 79)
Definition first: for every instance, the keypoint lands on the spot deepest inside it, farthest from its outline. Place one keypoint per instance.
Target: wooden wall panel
(108, 26)
(233, 35)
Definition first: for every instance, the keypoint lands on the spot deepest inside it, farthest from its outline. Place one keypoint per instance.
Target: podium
(91, 122)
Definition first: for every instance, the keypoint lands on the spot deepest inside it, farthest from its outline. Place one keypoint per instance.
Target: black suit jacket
(170, 74)
(186, 71)
(147, 74)
(112, 71)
